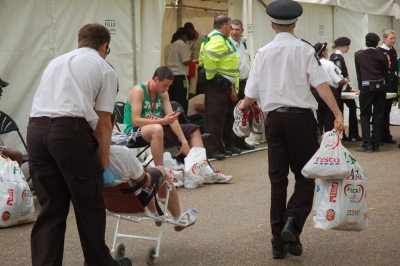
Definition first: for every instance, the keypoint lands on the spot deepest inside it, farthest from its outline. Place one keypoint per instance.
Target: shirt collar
(384, 46)
(237, 44)
(338, 52)
(283, 35)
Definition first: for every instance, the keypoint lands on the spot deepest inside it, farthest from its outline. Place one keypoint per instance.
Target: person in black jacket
(372, 69)
(342, 46)
(389, 38)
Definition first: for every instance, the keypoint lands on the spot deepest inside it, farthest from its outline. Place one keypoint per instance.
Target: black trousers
(353, 122)
(229, 137)
(177, 91)
(65, 167)
(325, 116)
(216, 100)
(372, 100)
(292, 141)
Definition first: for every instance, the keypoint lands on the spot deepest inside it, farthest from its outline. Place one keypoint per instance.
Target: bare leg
(195, 139)
(173, 203)
(154, 134)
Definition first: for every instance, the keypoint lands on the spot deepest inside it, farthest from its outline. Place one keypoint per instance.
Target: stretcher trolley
(127, 207)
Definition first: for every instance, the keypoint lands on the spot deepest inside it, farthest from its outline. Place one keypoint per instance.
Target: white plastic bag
(353, 197)
(16, 200)
(329, 160)
(195, 164)
(341, 204)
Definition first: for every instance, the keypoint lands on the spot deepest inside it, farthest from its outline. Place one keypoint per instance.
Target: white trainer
(189, 216)
(241, 125)
(257, 120)
(217, 177)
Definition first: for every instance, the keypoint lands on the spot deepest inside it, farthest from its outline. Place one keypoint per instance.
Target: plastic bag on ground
(16, 200)
(195, 164)
(329, 160)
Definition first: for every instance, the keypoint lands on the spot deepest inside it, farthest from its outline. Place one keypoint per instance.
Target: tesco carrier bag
(329, 160)
(195, 167)
(16, 200)
(341, 204)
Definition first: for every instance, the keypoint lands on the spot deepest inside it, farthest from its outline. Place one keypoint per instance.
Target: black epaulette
(307, 42)
(315, 54)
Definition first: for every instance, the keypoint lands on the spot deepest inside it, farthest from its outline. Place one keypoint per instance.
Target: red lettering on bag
(333, 192)
(327, 160)
(10, 199)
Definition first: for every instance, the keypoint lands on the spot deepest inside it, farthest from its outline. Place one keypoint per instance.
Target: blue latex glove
(109, 178)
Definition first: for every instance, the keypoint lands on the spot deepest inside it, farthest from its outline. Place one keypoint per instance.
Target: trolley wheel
(150, 255)
(120, 251)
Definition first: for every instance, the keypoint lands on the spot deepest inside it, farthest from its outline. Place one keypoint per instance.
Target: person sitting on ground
(124, 163)
(145, 124)
(13, 154)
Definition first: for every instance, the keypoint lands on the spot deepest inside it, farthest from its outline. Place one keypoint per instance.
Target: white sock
(208, 170)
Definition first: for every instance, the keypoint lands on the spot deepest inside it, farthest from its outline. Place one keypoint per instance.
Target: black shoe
(292, 238)
(123, 262)
(246, 147)
(346, 139)
(279, 252)
(233, 149)
(219, 156)
(357, 138)
(365, 149)
(390, 141)
(227, 153)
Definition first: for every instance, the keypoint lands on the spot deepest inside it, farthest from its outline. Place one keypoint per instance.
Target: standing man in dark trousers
(387, 47)
(68, 141)
(283, 90)
(220, 61)
(342, 46)
(372, 67)
(232, 142)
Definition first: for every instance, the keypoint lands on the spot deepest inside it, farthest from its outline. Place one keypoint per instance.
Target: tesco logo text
(327, 160)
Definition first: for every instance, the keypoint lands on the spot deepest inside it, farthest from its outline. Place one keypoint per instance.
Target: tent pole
(179, 14)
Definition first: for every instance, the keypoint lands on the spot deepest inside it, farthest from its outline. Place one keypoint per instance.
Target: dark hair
(93, 36)
(163, 72)
(178, 34)
(371, 44)
(220, 21)
(189, 25)
(237, 22)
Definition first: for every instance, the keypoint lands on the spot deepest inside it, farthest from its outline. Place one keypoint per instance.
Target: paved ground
(233, 226)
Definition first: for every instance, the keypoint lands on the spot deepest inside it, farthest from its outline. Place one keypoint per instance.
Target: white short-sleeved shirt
(75, 85)
(175, 54)
(244, 68)
(332, 71)
(282, 72)
(124, 163)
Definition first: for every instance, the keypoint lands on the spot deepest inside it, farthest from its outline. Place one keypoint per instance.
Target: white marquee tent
(33, 32)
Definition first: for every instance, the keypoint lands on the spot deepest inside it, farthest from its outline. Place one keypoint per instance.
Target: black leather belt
(293, 110)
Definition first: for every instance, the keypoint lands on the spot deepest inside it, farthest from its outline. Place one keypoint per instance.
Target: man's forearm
(176, 128)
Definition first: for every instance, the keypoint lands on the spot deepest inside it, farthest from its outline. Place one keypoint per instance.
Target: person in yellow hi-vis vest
(220, 72)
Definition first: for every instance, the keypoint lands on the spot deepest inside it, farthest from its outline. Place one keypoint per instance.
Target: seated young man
(124, 164)
(13, 154)
(144, 123)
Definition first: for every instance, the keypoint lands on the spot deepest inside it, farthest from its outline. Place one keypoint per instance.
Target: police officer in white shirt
(232, 142)
(68, 140)
(325, 116)
(280, 78)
